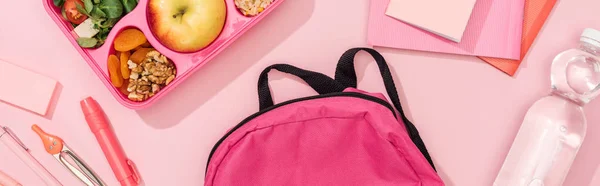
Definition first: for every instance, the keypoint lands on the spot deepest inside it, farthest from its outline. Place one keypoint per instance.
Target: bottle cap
(574, 73)
(591, 36)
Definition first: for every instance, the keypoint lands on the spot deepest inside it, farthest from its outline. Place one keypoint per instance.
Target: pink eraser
(25, 89)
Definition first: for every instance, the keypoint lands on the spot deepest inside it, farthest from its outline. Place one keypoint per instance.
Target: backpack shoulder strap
(346, 74)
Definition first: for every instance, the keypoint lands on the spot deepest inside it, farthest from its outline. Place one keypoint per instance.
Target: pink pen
(123, 168)
(6, 180)
(16, 146)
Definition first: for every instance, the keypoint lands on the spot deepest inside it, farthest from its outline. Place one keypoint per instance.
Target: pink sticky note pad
(493, 30)
(25, 89)
(442, 17)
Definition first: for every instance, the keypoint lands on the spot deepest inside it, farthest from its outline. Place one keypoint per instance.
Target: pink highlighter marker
(123, 168)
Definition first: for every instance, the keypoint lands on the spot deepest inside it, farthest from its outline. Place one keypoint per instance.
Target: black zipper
(337, 94)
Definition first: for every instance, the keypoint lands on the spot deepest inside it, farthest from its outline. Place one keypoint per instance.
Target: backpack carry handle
(345, 73)
(319, 82)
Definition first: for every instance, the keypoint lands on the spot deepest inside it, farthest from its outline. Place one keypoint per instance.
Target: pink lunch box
(186, 63)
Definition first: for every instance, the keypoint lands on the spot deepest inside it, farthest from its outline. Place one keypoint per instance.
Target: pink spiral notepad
(493, 30)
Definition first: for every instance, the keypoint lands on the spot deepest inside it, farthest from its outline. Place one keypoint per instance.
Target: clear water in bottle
(554, 127)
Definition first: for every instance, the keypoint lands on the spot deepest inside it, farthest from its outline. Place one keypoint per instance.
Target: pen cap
(94, 115)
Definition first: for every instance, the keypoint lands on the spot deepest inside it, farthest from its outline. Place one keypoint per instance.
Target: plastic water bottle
(555, 126)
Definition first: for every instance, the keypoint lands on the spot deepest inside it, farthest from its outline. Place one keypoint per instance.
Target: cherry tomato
(73, 15)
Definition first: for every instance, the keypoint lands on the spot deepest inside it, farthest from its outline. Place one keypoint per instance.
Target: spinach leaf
(88, 6)
(109, 23)
(129, 5)
(103, 23)
(87, 42)
(59, 3)
(112, 8)
(102, 34)
(97, 22)
(97, 13)
(64, 14)
(99, 44)
(81, 9)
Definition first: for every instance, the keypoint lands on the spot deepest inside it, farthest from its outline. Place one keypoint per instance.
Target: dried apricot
(124, 67)
(123, 88)
(139, 55)
(129, 39)
(146, 45)
(114, 70)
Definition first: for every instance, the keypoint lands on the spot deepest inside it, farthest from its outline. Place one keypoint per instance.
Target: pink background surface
(467, 111)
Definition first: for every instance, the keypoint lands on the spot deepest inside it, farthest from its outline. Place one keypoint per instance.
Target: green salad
(97, 17)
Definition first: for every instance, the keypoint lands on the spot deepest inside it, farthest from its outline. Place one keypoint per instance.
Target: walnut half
(149, 77)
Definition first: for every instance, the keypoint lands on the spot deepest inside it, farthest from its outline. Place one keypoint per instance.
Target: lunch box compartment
(186, 63)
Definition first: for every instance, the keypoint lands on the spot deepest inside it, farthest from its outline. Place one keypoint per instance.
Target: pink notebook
(428, 15)
(494, 30)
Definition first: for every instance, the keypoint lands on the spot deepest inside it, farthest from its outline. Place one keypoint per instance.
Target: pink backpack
(343, 136)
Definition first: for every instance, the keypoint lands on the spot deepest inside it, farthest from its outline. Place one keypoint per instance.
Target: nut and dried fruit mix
(138, 70)
(252, 7)
(150, 76)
